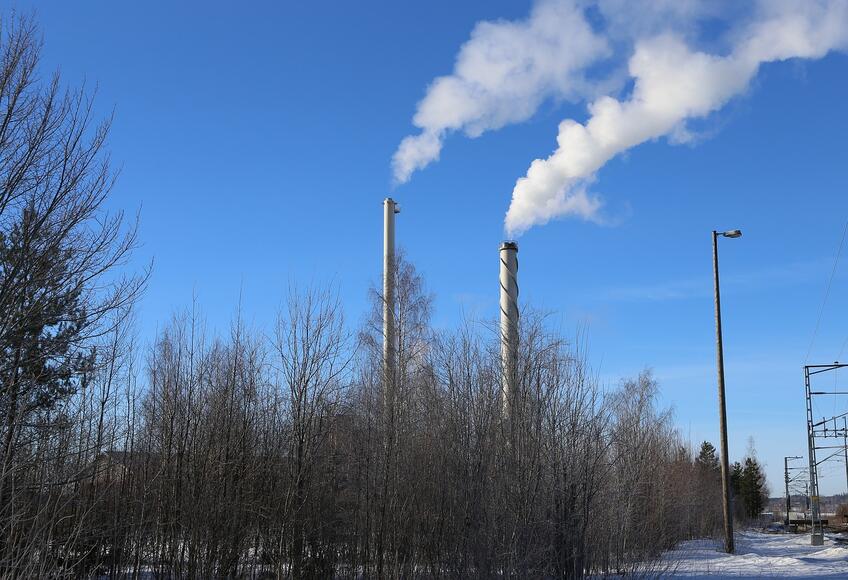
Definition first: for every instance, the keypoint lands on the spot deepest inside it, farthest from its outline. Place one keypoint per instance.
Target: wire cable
(827, 293)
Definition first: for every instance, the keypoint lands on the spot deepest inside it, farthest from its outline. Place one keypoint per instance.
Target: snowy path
(760, 556)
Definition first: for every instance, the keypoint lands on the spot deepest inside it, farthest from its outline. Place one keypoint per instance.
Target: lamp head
(732, 234)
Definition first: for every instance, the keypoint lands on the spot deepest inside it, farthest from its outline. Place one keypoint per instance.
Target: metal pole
(788, 496)
(816, 532)
(509, 322)
(786, 479)
(845, 442)
(390, 208)
(725, 463)
(806, 499)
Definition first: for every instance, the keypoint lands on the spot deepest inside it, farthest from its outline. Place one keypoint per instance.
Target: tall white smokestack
(509, 322)
(390, 208)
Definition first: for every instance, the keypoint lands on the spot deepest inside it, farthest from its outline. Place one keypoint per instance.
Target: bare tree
(314, 357)
(59, 287)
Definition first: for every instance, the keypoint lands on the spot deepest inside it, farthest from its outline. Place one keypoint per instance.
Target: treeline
(283, 457)
(288, 453)
(749, 491)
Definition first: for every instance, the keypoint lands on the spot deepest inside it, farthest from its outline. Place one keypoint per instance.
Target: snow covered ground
(759, 555)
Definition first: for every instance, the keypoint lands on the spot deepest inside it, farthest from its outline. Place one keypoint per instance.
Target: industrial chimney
(509, 322)
(390, 208)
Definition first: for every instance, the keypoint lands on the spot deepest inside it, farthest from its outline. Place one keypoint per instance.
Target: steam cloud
(502, 75)
(507, 70)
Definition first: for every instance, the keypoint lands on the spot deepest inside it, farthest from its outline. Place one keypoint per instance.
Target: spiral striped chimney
(509, 323)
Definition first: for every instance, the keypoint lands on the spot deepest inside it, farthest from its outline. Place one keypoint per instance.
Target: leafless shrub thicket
(280, 456)
(287, 453)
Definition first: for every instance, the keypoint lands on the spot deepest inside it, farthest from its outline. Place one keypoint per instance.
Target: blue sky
(257, 141)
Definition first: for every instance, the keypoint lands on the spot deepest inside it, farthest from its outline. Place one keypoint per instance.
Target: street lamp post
(722, 412)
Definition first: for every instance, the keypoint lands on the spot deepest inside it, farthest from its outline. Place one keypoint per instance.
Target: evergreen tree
(736, 478)
(59, 249)
(753, 487)
(41, 353)
(748, 487)
(708, 490)
(737, 500)
(707, 459)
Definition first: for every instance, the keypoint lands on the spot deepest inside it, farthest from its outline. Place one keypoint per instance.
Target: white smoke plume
(502, 75)
(672, 82)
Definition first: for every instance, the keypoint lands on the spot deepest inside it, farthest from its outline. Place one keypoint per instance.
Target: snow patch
(759, 555)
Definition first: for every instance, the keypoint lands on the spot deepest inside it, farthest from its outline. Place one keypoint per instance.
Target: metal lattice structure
(788, 480)
(825, 428)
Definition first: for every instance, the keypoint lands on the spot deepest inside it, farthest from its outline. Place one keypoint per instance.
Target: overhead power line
(827, 293)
